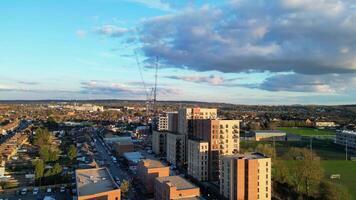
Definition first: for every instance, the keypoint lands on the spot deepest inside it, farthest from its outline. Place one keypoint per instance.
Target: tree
(72, 152)
(330, 191)
(266, 149)
(39, 169)
(280, 171)
(48, 155)
(42, 137)
(255, 126)
(272, 126)
(57, 169)
(51, 123)
(125, 186)
(306, 173)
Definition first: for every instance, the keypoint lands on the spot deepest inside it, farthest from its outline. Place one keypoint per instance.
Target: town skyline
(280, 52)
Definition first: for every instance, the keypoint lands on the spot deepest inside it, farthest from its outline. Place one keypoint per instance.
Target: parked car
(49, 190)
(24, 191)
(35, 191)
(62, 189)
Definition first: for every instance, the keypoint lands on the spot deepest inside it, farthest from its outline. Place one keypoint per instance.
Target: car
(62, 189)
(49, 190)
(35, 191)
(24, 191)
(74, 191)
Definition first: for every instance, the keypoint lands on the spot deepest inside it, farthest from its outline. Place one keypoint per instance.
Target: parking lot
(31, 195)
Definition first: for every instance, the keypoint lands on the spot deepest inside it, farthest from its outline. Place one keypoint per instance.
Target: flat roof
(177, 181)
(348, 132)
(268, 132)
(133, 156)
(248, 156)
(93, 181)
(153, 163)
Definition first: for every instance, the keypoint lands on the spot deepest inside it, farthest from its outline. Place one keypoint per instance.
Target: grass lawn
(307, 131)
(324, 148)
(347, 170)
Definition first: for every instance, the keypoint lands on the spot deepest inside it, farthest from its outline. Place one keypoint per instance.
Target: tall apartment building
(149, 170)
(159, 142)
(246, 177)
(346, 137)
(172, 122)
(175, 187)
(162, 123)
(175, 149)
(185, 114)
(198, 152)
(223, 138)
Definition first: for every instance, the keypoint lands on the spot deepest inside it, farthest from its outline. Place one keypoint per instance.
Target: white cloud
(156, 4)
(81, 33)
(112, 30)
(292, 36)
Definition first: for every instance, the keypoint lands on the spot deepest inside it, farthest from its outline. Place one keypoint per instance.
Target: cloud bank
(301, 36)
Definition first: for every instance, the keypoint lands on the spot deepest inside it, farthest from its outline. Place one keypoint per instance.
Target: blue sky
(235, 51)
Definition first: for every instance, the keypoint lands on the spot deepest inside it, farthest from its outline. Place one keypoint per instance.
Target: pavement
(114, 168)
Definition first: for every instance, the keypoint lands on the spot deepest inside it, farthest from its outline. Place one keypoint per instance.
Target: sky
(233, 51)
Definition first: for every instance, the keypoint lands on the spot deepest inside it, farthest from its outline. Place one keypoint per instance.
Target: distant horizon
(176, 101)
(271, 52)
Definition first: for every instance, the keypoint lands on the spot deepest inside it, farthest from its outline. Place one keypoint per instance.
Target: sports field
(307, 131)
(347, 170)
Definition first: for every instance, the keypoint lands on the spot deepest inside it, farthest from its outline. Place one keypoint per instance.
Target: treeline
(298, 174)
(47, 166)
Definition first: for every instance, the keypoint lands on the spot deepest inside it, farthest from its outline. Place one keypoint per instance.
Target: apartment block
(176, 149)
(346, 137)
(172, 122)
(149, 170)
(162, 123)
(159, 142)
(175, 187)
(246, 177)
(198, 152)
(223, 137)
(185, 114)
(96, 183)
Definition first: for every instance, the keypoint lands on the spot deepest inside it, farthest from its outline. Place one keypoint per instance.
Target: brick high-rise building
(149, 170)
(162, 123)
(159, 142)
(185, 114)
(246, 177)
(176, 148)
(175, 187)
(222, 137)
(172, 122)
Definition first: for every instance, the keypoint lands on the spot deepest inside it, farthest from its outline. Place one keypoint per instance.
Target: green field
(347, 170)
(325, 148)
(307, 131)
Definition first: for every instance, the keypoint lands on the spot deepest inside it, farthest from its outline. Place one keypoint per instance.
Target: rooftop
(133, 156)
(177, 181)
(93, 181)
(153, 163)
(248, 156)
(349, 132)
(268, 131)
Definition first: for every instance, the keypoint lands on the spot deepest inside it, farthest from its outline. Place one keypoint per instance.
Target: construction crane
(151, 98)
